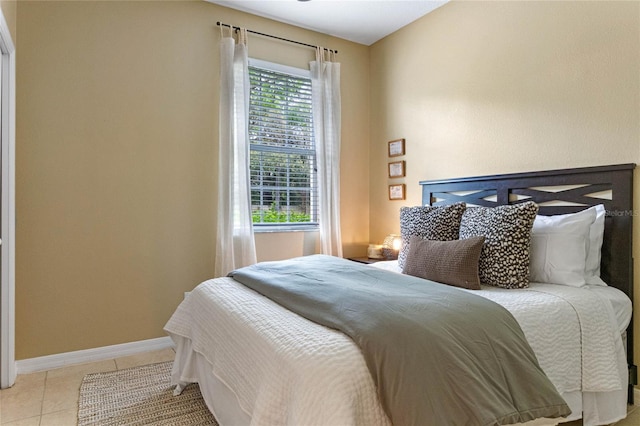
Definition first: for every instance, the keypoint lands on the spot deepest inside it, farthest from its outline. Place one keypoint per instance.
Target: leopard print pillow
(440, 223)
(504, 261)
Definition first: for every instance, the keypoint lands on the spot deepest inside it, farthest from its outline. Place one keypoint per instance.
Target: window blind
(282, 150)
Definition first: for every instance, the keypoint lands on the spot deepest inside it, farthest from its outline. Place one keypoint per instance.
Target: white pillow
(596, 235)
(559, 248)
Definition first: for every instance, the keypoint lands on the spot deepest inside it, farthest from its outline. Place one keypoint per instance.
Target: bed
(259, 363)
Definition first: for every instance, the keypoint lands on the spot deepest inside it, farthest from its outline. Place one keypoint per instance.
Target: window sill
(261, 229)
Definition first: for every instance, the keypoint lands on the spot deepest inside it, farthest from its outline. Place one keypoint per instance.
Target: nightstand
(364, 260)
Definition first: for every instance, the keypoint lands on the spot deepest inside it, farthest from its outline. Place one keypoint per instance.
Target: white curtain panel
(325, 83)
(235, 245)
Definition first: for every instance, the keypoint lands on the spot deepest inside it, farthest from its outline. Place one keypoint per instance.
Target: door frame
(7, 203)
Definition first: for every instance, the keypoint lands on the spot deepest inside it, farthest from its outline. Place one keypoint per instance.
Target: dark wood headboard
(560, 192)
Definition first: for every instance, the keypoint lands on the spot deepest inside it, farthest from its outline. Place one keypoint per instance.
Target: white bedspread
(309, 374)
(306, 373)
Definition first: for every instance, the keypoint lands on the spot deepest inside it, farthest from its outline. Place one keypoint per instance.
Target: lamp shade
(391, 246)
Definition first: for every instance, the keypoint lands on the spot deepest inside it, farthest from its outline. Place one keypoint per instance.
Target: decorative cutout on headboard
(555, 195)
(475, 198)
(574, 195)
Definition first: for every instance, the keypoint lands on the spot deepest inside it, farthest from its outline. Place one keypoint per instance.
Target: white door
(7, 206)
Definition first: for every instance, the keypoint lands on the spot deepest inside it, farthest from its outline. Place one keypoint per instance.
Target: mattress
(281, 368)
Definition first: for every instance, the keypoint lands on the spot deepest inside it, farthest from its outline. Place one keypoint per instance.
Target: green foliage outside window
(274, 216)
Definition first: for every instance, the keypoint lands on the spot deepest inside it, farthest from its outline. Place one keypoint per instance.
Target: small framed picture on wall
(396, 191)
(396, 148)
(397, 169)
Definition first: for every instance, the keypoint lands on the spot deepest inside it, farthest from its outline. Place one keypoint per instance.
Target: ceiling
(360, 21)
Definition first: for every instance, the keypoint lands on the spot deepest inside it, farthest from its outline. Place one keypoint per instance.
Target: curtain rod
(220, 24)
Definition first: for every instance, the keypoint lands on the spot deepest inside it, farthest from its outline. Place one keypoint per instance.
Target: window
(282, 149)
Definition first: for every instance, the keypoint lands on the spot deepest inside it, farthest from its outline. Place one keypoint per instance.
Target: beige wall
(116, 154)
(495, 87)
(9, 12)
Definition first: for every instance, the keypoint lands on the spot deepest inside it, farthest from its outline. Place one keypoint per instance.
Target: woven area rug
(140, 396)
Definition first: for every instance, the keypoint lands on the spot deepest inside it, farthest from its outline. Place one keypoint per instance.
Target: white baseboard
(49, 362)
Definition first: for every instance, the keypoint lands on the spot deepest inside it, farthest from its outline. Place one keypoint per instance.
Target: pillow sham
(440, 223)
(504, 261)
(559, 248)
(596, 236)
(449, 262)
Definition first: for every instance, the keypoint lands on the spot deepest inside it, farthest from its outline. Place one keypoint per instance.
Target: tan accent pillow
(448, 262)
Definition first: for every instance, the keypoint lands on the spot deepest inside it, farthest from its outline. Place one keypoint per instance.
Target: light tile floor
(633, 418)
(50, 398)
